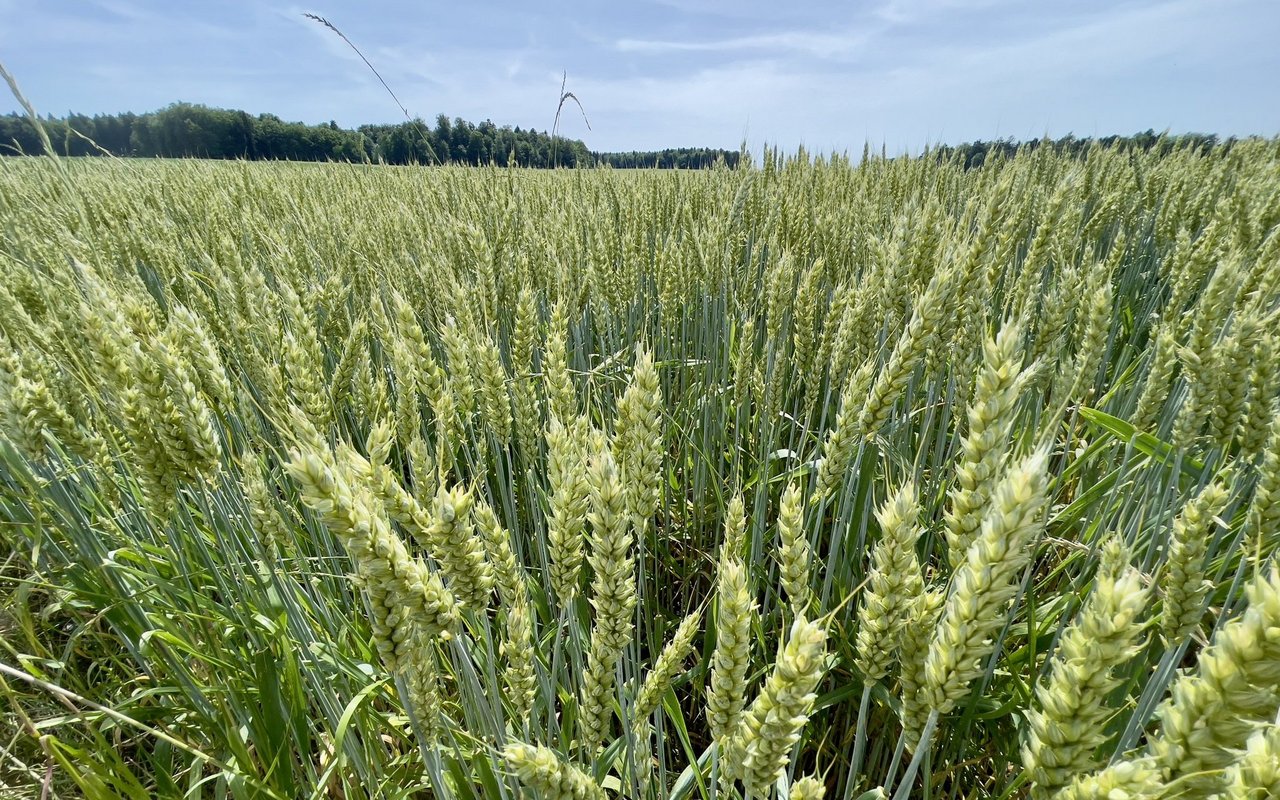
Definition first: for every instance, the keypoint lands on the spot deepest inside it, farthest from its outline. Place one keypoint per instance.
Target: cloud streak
(815, 44)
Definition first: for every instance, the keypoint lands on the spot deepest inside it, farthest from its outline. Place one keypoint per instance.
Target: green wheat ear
(541, 769)
(1070, 723)
(894, 586)
(807, 788)
(727, 685)
(984, 584)
(1256, 772)
(759, 750)
(1213, 710)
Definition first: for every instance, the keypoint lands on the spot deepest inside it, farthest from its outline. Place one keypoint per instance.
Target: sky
(831, 76)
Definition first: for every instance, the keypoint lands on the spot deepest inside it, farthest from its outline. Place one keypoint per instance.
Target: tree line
(197, 131)
(975, 154)
(671, 158)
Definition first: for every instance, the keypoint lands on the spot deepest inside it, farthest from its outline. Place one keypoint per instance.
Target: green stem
(859, 741)
(926, 737)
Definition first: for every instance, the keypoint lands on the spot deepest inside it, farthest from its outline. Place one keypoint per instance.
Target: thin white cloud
(1103, 44)
(822, 45)
(127, 11)
(904, 12)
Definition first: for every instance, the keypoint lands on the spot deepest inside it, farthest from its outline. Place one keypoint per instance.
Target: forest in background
(185, 130)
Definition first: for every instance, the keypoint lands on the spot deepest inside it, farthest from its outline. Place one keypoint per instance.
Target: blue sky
(830, 75)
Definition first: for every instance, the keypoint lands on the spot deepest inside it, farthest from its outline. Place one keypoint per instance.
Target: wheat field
(878, 478)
